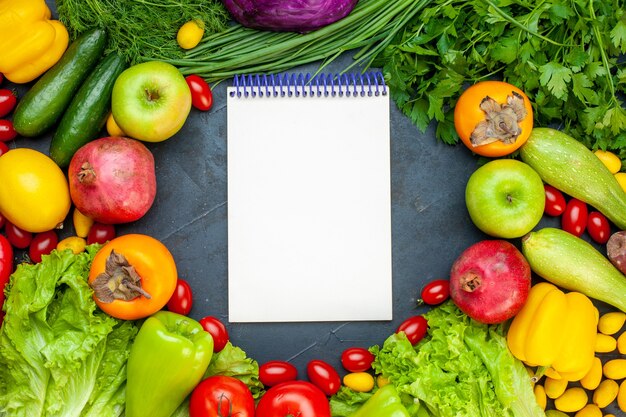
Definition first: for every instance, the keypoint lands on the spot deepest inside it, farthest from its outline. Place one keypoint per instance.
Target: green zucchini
(574, 264)
(88, 110)
(43, 105)
(570, 166)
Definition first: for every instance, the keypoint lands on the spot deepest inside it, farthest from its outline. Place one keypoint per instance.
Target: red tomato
(201, 95)
(324, 376)
(100, 233)
(182, 300)
(555, 201)
(574, 218)
(357, 359)
(293, 398)
(598, 227)
(7, 131)
(8, 100)
(436, 292)
(414, 328)
(42, 244)
(274, 372)
(221, 395)
(6, 265)
(3, 148)
(19, 238)
(217, 329)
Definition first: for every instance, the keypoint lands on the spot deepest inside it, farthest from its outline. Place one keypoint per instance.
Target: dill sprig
(141, 30)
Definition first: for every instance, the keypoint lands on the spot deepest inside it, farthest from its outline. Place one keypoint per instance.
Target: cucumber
(88, 110)
(43, 105)
(574, 264)
(570, 166)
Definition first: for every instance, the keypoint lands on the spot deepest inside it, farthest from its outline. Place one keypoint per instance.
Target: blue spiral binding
(306, 85)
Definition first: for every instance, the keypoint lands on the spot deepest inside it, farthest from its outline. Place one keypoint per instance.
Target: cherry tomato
(574, 218)
(221, 395)
(414, 328)
(357, 359)
(469, 112)
(19, 238)
(8, 100)
(6, 265)
(598, 227)
(217, 329)
(201, 95)
(555, 201)
(182, 300)
(42, 244)
(274, 372)
(436, 292)
(324, 376)
(293, 398)
(100, 233)
(7, 131)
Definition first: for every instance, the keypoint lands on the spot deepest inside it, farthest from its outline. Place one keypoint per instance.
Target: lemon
(34, 193)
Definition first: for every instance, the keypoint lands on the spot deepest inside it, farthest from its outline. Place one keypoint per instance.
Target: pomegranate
(490, 281)
(112, 180)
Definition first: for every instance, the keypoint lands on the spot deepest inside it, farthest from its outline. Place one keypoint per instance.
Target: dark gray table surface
(430, 228)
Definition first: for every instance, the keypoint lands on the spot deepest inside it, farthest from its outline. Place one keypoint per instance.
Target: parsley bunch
(567, 56)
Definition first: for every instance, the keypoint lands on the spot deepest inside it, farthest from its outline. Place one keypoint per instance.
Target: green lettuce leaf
(462, 368)
(232, 361)
(58, 352)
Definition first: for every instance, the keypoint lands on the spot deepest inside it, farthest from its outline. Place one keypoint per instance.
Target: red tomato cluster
(576, 218)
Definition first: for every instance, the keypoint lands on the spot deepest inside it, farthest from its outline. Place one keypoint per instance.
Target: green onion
(370, 27)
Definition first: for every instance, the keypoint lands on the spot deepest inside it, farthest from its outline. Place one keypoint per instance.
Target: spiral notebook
(309, 206)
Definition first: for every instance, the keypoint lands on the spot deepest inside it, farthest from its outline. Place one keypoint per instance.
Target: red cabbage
(288, 15)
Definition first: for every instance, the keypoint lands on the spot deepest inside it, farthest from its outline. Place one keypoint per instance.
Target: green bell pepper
(167, 360)
(384, 403)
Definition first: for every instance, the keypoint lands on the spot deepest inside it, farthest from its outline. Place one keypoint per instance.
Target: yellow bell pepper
(30, 43)
(555, 331)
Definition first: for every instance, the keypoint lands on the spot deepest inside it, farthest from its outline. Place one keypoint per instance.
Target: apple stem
(151, 95)
(470, 281)
(86, 175)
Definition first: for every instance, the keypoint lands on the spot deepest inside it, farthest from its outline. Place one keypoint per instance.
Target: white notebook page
(309, 208)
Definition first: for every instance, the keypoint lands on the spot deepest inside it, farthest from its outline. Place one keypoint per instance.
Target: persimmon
(133, 276)
(493, 118)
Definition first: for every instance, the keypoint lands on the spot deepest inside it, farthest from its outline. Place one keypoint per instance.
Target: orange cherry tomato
(468, 114)
(155, 266)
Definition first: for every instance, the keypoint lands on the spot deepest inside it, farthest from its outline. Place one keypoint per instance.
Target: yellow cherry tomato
(74, 243)
(573, 399)
(381, 381)
(82, 223)
(34, 193)
(610, 160)
(190, 34)
(112, 127)
(359, 381)
(621, 179)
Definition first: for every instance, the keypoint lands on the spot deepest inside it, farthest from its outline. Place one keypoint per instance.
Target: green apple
(505, 198)
(151, 101)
